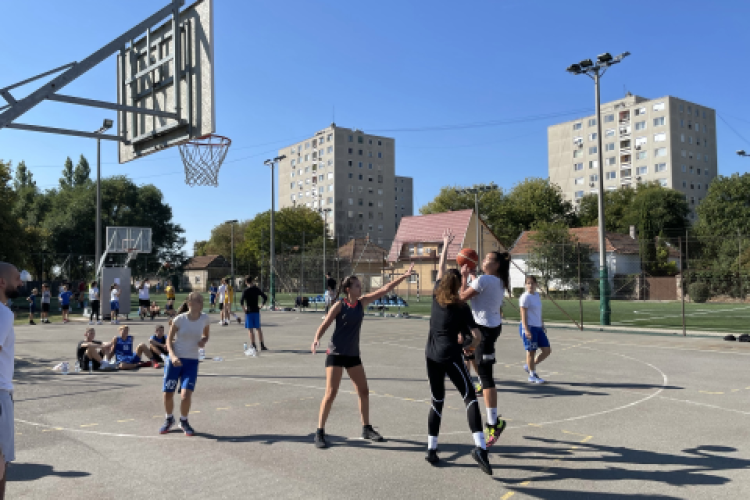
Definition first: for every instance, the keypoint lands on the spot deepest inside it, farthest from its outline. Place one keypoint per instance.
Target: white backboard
(123, 239)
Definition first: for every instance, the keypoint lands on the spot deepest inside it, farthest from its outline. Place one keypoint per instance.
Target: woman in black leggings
(450, 323)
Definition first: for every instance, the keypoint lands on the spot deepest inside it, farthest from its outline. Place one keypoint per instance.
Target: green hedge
(699, 292)
(518, 291)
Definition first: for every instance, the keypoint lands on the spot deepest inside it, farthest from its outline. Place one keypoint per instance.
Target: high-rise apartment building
(667, 140)
(352, 174)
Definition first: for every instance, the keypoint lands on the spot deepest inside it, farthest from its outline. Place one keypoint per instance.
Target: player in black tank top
(343, 351)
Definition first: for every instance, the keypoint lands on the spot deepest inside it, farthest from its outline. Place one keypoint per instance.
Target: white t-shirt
(143, 292)
(94, 293)
(222, 291)
(46, 296)
(114, 294)
(533, 306)
(8, 344)
(188, 335)
(486, 306)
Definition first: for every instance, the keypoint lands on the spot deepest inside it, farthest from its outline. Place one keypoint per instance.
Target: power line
(732, 128)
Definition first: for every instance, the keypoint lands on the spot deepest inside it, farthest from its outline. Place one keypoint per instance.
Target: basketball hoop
(132, 254)
(202, 158)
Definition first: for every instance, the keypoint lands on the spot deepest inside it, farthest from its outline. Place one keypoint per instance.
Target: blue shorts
(115, 306)
(213, 299)
(187, 374)
(538, 338)
(252, 320)
(132, 359)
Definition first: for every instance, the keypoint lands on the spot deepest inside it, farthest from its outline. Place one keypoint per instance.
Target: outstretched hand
(409, 271)
(448, 237)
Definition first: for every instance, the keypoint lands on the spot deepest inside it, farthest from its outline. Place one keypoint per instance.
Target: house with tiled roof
(623, 253)
(419, 240)
(201, 271)
(366, 260)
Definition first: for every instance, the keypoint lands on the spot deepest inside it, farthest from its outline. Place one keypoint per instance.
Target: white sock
(479, 440)
(183, 419)
(533, 373)
(492, 416)
(169, 415)
(432, 442)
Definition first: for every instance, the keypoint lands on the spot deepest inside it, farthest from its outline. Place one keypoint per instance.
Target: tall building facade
(351, 176)
(667, 140)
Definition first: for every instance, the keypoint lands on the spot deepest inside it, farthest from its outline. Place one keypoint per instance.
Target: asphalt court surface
(623, 416)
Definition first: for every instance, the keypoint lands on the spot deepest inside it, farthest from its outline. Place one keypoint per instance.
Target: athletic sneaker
(91, 322)
(478, 388)
(526, 369)
(185, 426)
(238, 320)
(145, 363)
(320, 439)
(492, 432)
(98, 322)
(31, 322)
(535, 379)
(480, 457)
(263, 347)
(432, 457)
(156, 364)
(369, 433)
(251, 351)
(112, 322)
(168, 423)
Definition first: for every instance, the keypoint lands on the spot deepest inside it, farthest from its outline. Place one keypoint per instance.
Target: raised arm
(447, 240)
(380, 292)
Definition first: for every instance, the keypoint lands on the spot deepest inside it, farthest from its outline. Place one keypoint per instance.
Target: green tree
(23, 177)
(553, 256)
(450, 200)
(220, 242)
(199, 248)
(82, 172)
(617, 205)
(13, 245)
(67, 179)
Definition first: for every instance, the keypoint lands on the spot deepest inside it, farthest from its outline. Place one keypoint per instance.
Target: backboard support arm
(74, 70)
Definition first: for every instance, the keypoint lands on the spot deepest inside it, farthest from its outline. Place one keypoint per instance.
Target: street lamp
(595, 72)
(741, 152)
(98, 253)
(475, 190)
(272, 271)
(232, 222)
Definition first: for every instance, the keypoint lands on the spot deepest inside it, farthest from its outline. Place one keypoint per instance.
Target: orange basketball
(467, 256)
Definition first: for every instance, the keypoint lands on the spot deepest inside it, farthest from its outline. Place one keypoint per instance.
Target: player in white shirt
(10, 282)
(114, 303)
(221, 295)
(532, 330)
(144, 299)
(94, 303)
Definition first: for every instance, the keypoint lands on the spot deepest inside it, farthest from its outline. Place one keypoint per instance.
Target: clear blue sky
(281, 67)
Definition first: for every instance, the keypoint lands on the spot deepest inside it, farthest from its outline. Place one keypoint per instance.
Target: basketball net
(132, 254)
(202, 158)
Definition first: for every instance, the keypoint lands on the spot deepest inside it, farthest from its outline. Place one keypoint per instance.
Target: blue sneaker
(535, 379)
(168, 423)
(185, 426)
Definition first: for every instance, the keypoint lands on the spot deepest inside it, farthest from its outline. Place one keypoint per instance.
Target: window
(369, 178)
(360, 164)
(592, 122)
(660, 137)
(681, 108)
(307, 145)
(330, 149)
(576, 126)
(369, 166)
(611, 161)
(293, 197)
(660, 152)
(683, 153)
(330, 187)
(682, 123)
(351, 175)
(351, 201)
(321, 177)
(380, 192)
(592, 137)
(705, 171)
(593, 178)
(369, 153)
(641, 170)
(640, 111)
(609, 118)
(360, 139)
(641, 155)
(659, 106)
(658, 122)
(609, 146)
(360, 202)
(579, 194)
(640, 125)
(360, 176)
(593, 164)
(351, 151)
(292, 186)
(660, 167)
(609, 133)
(330, 175)
(610, 175)
(578, 166)
(351, 138)
(699, 185)
(705, 158)
(698, 171)
(684, 168)
(691, 169)
(350, 163)
(579, 180)
(380, 203)
(380, 179)
(682, 137)
(690, 139)
(350, 214)
(662, 182)
(360, 189)
(351, 189)
(307, 157)
(380, 155)
(625, 173)
(360, 152)
(577, 153)
(592, 150)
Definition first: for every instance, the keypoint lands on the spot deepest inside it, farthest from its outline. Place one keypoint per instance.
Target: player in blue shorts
(249, 303)
(124, 356)
(532, 330)
(187, 335)
(212, 290)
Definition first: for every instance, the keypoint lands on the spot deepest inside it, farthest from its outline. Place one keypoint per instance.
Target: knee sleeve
(486, 375)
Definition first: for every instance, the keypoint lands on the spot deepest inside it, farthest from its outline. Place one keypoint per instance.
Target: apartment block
(351, 176)
(667, 140)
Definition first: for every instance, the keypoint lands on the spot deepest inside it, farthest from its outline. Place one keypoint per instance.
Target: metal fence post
(682, 286)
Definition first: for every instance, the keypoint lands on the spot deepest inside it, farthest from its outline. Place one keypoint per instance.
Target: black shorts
(94, 363)
(343, 361)
(45, 307)
(144, 303)
(169, 306)
(485, 351)
(65, 307)
(221, 306)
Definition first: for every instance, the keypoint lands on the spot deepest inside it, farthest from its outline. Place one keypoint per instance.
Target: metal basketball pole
(272, 259)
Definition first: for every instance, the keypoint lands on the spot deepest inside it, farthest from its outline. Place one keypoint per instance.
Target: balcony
(625, 159)
(624, 130)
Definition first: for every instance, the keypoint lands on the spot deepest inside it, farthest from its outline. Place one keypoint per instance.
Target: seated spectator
(158, 345)
(154, 310)
(125, 357)
(92, 351)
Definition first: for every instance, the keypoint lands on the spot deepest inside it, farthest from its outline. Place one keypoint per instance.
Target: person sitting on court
(158, 345)
(126, 358)
(93, 351)
(155, 310)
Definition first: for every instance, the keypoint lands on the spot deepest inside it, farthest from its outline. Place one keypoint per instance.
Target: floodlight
(574, 68)
(604, 58)
(586, 63)
(107, 124)
(741, 152)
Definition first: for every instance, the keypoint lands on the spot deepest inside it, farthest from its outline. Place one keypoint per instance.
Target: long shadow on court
(693, 467)
(31, 472)
(608, 385)
(322, 377)
(588, 495)
(538, 391)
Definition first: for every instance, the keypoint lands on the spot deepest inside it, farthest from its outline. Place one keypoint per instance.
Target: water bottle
(78, 367)
(201, 354)
(218, 359)
(245, 347)
(65, 368)
(91, 367)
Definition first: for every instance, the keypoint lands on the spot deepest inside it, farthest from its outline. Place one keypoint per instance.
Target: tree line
(36, 225)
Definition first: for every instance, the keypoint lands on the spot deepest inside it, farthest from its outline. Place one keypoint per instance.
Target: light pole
(475, 190)
(741, 152)
(272, 256)
(232, 222)
(325, 237)
(98, 253)
(595, 72)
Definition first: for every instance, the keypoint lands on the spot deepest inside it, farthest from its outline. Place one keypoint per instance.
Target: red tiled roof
(206, 261)
(360, 250)
(614, 242)
(429, 229)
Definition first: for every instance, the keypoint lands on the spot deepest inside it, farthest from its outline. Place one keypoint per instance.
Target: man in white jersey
(10, 282)
(222, 293)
